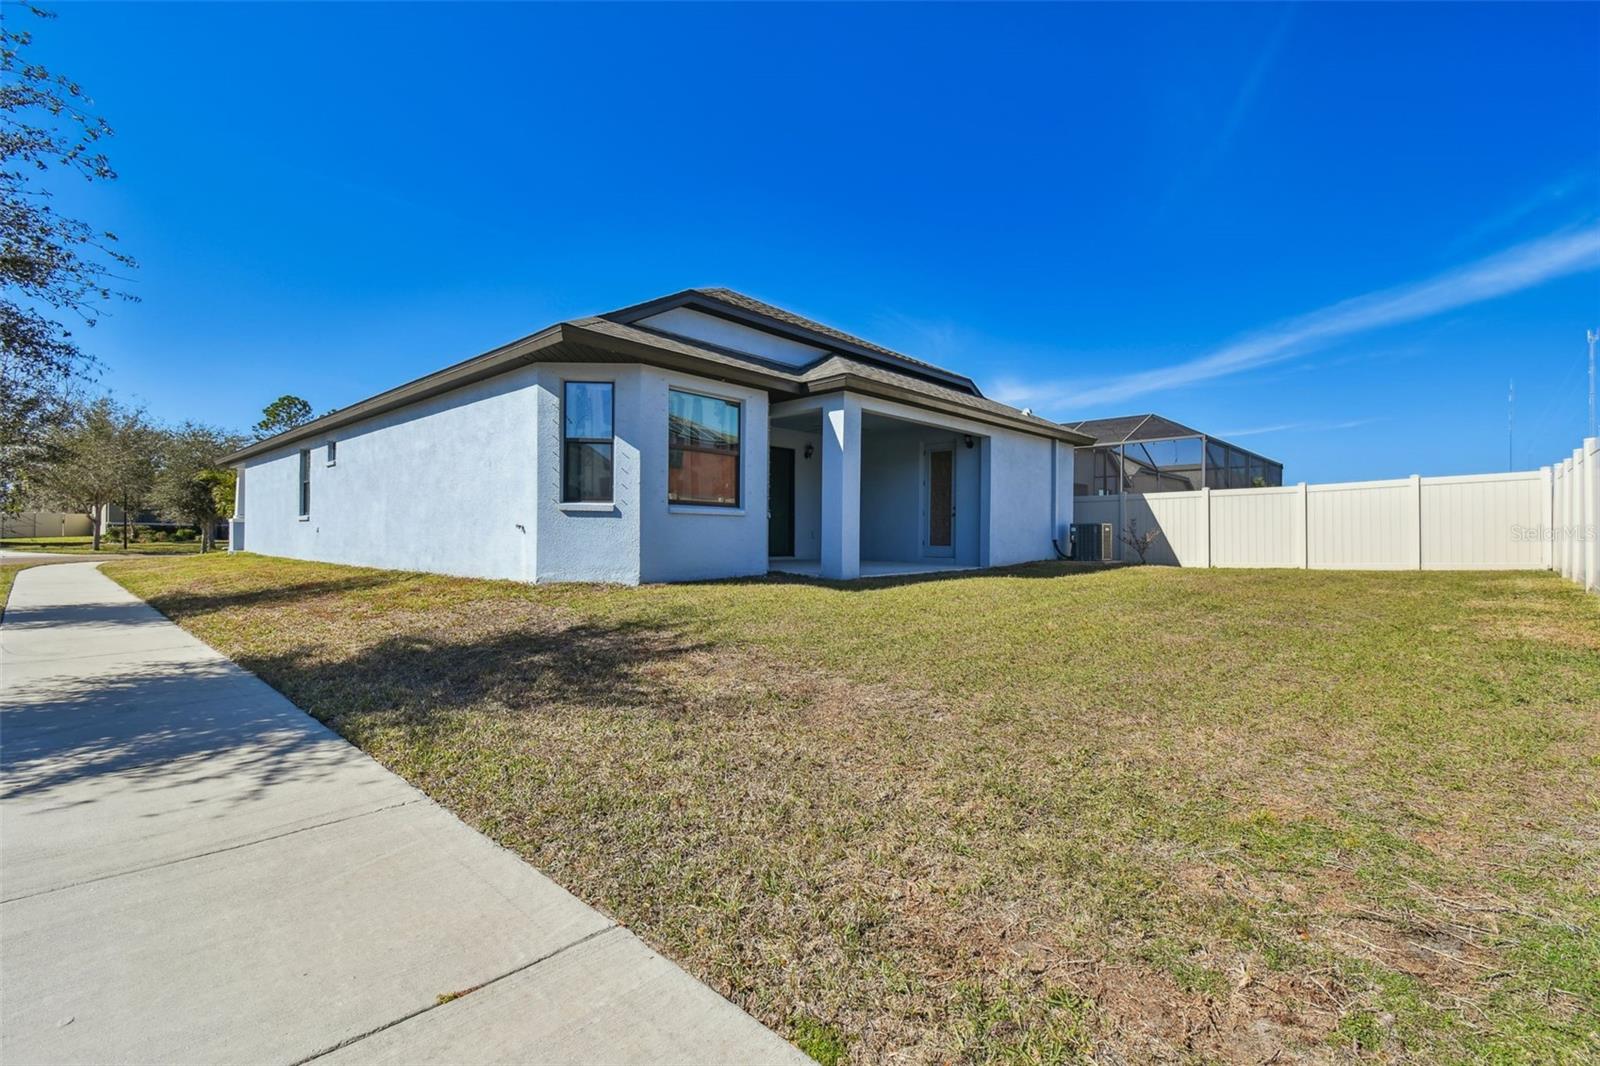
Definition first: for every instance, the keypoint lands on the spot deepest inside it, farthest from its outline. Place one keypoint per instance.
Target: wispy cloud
(1513, 270)
(1222, 141)
(1300, 427)
(1557, 194)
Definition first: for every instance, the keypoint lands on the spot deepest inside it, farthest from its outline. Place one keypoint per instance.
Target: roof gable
(763, 317)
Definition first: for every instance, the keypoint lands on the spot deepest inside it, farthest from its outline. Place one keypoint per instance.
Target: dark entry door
(941, 501)
(780, 502)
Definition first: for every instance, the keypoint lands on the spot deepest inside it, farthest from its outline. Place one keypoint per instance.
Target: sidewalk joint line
(435, 1006)
(214, 851)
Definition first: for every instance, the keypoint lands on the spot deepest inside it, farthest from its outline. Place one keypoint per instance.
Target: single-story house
(699, 435)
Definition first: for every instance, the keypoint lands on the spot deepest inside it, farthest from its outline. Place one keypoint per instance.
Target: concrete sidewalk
(193, 870)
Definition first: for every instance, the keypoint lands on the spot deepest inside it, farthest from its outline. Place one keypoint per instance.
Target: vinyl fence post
(1303, 548)
(1416, 511)
(1547, 502)
(1591, 514)
(1574, 513)
(1205, 510)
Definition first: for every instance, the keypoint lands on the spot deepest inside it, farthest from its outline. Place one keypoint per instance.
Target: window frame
(333, 452)
(610, 442)
(305, 483)
(738, 452)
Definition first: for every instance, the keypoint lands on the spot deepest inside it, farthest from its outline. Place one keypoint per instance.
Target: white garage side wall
(807, 488)
(439, 486)
(679, 543)
(591, 541)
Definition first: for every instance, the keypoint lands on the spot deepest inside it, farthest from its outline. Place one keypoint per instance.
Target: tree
(51, 267)
(192, 484)
(286, 412)
(103, 454)
(1141, 543)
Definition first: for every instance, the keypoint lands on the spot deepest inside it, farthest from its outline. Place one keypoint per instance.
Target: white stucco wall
(588, 541)
(439, 486)
(470, 483)
(680, 543)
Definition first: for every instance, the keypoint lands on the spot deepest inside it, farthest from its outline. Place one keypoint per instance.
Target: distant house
(1149, 453)
(704, 434)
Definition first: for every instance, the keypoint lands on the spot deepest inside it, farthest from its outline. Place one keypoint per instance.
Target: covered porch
(859, 487)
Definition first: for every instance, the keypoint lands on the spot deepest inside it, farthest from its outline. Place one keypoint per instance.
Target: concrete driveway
(193, 870)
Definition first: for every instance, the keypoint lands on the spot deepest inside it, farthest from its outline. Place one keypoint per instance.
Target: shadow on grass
(1032, 571)
(540, 668)
(188, 720)
(182, 603)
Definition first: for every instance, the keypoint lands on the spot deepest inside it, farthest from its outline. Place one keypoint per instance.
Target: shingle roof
(835, 365)
(605, 337)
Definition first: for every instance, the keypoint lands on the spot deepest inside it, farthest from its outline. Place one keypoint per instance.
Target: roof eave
(586, 345)
(913, 398)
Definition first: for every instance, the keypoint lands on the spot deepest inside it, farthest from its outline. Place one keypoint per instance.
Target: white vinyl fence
(1542, 519)
(45, 524)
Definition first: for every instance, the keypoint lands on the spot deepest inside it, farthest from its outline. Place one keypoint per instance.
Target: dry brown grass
(1153, 814)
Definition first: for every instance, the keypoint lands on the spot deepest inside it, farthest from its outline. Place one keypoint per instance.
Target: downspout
(1055, 499)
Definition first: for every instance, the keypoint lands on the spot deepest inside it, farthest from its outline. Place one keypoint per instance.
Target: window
(333, 452)
(587, 442)
(702, 450)
(305, 482)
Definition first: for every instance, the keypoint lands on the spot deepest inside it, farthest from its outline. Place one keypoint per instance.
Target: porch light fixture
(967, 440)
(809, 450)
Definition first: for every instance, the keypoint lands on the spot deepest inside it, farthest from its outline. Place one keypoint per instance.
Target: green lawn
(108, 546)
(1033, 815)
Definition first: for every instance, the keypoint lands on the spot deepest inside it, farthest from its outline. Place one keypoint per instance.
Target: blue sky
(1334, 232)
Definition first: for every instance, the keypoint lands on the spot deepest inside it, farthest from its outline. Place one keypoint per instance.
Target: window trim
(610, 441)
(305, 483)
(696, 506)
(333, 452)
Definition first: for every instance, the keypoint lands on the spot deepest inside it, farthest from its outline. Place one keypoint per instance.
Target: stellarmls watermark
(1582, 533)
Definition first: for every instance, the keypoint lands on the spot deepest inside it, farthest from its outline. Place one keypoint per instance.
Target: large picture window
(702, 450)
(587, 441)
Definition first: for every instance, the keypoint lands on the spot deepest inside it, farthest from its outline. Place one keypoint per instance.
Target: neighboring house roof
(1133, 427)
(846, 362)
(1125, 429)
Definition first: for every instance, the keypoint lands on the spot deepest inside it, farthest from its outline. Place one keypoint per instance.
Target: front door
(939, 539)
(780, 502)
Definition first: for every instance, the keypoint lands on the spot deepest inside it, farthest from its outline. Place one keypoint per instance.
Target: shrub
(184, 535)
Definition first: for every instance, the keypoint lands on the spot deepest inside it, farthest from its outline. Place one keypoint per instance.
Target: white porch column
(841, 487)
(236, 520)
